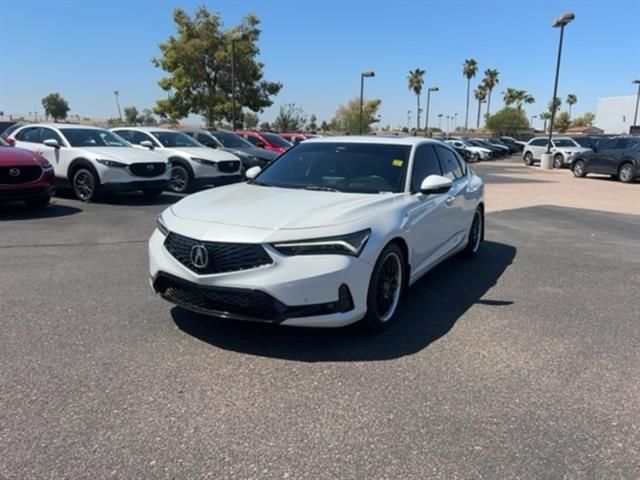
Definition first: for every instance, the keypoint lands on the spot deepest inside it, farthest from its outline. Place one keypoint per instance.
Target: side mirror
(51, 142)
(435, 184)
(253, 172)
(147, 143)
(11, 141)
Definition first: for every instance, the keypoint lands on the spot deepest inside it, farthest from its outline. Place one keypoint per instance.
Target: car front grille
(222, 257)
(229, 166)
(19, 175)
(148, 169)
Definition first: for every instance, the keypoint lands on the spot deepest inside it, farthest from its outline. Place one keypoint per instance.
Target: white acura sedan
(332, 232)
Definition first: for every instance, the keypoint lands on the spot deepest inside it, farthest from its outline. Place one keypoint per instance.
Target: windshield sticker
(397, 162)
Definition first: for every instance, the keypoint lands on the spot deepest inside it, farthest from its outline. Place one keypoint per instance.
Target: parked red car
(25, 175)
(295, 138)
(266, 140)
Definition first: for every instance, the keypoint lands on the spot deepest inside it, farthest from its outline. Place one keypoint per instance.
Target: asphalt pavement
(522, 363)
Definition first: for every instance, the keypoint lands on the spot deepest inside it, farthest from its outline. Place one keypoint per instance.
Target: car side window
(138, 137)
(205, 140)
(461, 162)
(425, 163)
(31, 134)
(48, 134)
(124, 134)
(449, 163)
(608, 145)
(540, 142)
(252, 139)
(623, 144)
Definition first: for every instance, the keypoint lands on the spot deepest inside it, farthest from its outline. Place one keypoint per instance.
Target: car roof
(63, 125)
(409, 141)
(147, 129)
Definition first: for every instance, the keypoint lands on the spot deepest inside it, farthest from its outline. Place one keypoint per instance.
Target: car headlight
(111, 163)
(568, 153)
(162, 227)
(351, 244)
(203, 161)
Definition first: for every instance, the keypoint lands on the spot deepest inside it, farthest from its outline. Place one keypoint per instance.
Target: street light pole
(367, 74)
(562, 21)
(409, 120)
(635, 115)
(117, 94)
(455, 118)
(426, 120)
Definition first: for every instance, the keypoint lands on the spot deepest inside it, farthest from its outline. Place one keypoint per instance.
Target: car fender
(82, 162)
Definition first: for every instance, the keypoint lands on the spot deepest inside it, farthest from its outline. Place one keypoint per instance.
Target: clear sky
(86, 49)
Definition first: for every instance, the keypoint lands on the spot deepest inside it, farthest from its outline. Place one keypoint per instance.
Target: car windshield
(276, 140)
(93, 137)
(231, 140)
(338, 166)
(564, 142)
(175, 139)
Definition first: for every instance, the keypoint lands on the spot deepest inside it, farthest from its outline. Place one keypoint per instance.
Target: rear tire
(476, 235)
(386, 288)
(626, 173)
(84, 184)
(558, 161)
(38, 202)
(528, 159)
(578, 169)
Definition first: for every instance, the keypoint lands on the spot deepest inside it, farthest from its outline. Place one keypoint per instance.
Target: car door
(28, 138)
(58, 157)
(603, 159)
(458, 216)
(426, 216)
(538, 147)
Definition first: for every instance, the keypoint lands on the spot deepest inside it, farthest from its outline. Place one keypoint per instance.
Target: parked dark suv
(618, 157)
(589, 141)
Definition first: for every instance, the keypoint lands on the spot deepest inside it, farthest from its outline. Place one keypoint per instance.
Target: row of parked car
(618, 157)
(476, 149)
(91, 160)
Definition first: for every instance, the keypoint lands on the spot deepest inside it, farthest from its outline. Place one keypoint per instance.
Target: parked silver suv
(564, 149)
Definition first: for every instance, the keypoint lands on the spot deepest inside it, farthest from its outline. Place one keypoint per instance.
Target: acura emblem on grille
(14, 172)
(199, 256)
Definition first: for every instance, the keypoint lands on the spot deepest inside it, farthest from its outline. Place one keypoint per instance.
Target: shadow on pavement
(430, 310)
(137, 198)
(19, 211)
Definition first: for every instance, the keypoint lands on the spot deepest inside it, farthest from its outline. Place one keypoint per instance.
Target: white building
(615, 114)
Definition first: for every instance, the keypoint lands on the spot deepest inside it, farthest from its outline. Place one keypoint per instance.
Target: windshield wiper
(321, 188)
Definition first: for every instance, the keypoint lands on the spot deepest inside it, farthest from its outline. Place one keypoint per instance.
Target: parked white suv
(477, 153)
(192, 164)
(564, 149)
(92, 159)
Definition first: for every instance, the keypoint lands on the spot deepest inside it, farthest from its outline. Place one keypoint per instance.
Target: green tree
(291, 118)
(266, 126)
(416, 81)
(55, 106)
(518, 97)
(562, 122)
(490, 81)
(347, 118)
(508, 121)
(571, 100)
(469, 70)
(586, 120)
(198, 62)
(554, 105)
(481, 94)
(324, 126)
(313, 126)
(147, 118)
(131, 115)
(250, 120)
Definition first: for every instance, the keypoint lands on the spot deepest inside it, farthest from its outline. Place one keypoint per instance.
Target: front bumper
(297, 290)
(25, 193)
(134, 185)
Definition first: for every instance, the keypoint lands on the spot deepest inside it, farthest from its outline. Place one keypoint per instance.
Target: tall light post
(440, 122)
(635, 115)
(409, 120)
(237, 36)
(426, 120)
(560, 22)
(117, 94)
(448, 124)
(455, 118)
(363, 75)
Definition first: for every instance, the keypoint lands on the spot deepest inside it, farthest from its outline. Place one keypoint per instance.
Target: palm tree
(545, 116)
(481, 94)
(554, 105)
(490, 81)
(519, 97)
(469, 70)
(416, 81)
(572, 99)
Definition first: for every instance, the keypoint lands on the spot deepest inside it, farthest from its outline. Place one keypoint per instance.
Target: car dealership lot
(521, 363)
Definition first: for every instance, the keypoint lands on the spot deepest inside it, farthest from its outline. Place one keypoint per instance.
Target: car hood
(213, 154)
(477, 149)
(574, 149)
(274, 208)
(126, 155)
(18, 157)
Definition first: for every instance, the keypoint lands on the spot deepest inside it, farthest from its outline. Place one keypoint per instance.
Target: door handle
(449, 200)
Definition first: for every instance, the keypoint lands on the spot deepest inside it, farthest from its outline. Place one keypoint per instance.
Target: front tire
(558, 161)
(181, 179)
(476, 235)
(475, 157)
(625, 173)
(84, 184)
(528, 159)
(386, 287)
(578, 169)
